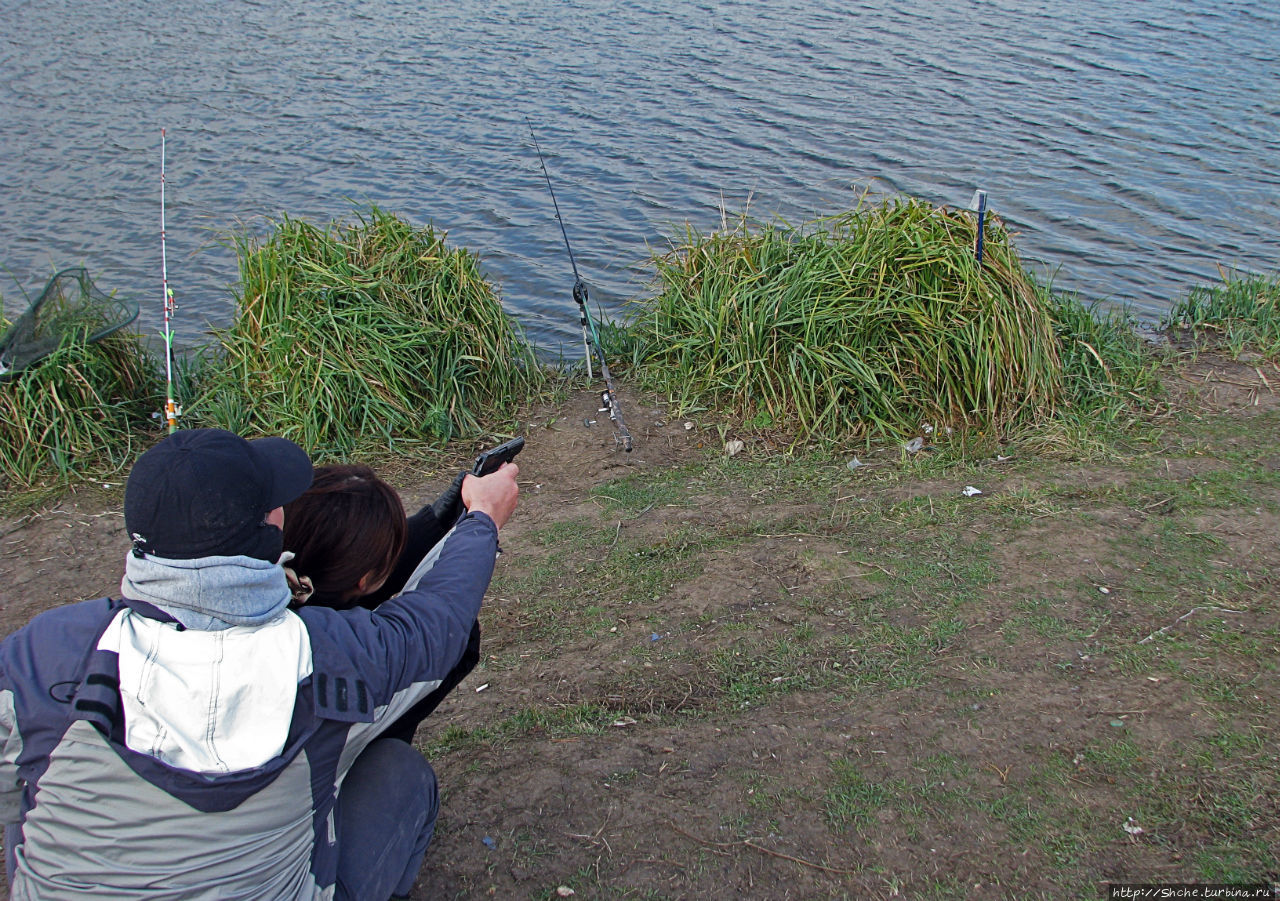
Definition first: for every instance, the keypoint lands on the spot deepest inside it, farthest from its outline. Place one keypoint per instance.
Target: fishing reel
(622, 438)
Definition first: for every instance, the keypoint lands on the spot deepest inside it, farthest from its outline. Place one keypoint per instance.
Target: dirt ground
(794, 706)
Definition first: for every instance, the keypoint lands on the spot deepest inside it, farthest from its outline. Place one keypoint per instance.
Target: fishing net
(70, 308)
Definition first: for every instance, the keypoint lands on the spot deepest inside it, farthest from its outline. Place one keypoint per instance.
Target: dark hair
(349, 523)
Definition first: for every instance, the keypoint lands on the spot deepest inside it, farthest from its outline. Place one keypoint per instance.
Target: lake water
(1132, 147)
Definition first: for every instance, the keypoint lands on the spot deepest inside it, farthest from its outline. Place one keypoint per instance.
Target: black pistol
(491, 459)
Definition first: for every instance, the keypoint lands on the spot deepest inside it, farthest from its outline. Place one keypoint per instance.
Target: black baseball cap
(204, 493)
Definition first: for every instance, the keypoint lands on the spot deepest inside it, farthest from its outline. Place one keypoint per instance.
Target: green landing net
(70, 308)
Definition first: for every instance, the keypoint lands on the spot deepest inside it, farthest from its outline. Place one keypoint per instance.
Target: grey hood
(209, 593)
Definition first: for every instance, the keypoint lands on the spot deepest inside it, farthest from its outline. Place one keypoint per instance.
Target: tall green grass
(1110, 374)
(78, 412)
(876, 321)
(1106, 365)
(1241, 313)
(363, 335)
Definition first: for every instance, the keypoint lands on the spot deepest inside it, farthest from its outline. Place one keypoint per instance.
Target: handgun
(491, 459)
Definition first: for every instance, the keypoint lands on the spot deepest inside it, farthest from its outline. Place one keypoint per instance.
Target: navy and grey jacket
(150, 754)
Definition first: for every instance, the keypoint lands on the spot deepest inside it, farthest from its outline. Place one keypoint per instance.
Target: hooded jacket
(189, 741)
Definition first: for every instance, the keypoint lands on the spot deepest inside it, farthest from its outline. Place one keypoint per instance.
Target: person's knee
(402, 765)
(386, 816)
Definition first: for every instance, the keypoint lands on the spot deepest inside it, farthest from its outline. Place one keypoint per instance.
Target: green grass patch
(1241, 313)
(367, 335)
(593, 577)
(78, 413)
(876, 321)
(549, 722)
(750, 673)
(853, 799)
(638, 494)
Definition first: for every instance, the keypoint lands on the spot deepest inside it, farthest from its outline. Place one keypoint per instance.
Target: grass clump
(1241, 313)
(78, 411)
(878, 320)
(363, 335)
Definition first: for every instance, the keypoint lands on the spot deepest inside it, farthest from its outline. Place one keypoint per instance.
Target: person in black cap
(206, 492)
(196, 737)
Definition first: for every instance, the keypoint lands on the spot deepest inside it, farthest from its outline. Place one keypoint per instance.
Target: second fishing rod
(590, 336)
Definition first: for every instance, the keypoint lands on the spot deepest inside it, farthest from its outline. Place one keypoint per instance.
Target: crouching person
(196, 738)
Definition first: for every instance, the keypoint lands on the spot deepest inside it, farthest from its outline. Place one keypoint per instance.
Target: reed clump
(78, 412)
(1242, 313)
(363, 335)
(875, 321)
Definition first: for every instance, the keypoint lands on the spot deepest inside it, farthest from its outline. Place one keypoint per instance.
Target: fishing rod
(170, 405)
(590, 337)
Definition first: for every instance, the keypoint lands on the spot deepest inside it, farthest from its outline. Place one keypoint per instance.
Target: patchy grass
(886, 685)
(1239, 315)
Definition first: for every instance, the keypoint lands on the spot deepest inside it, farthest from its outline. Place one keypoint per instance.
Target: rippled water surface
(1132, 146)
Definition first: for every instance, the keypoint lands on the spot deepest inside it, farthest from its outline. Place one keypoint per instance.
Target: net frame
(70, 307)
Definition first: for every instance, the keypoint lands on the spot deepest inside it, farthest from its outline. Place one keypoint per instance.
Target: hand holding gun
(491, 486)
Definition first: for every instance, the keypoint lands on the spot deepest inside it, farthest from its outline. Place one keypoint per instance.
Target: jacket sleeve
(412, 640)
(10, 748)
